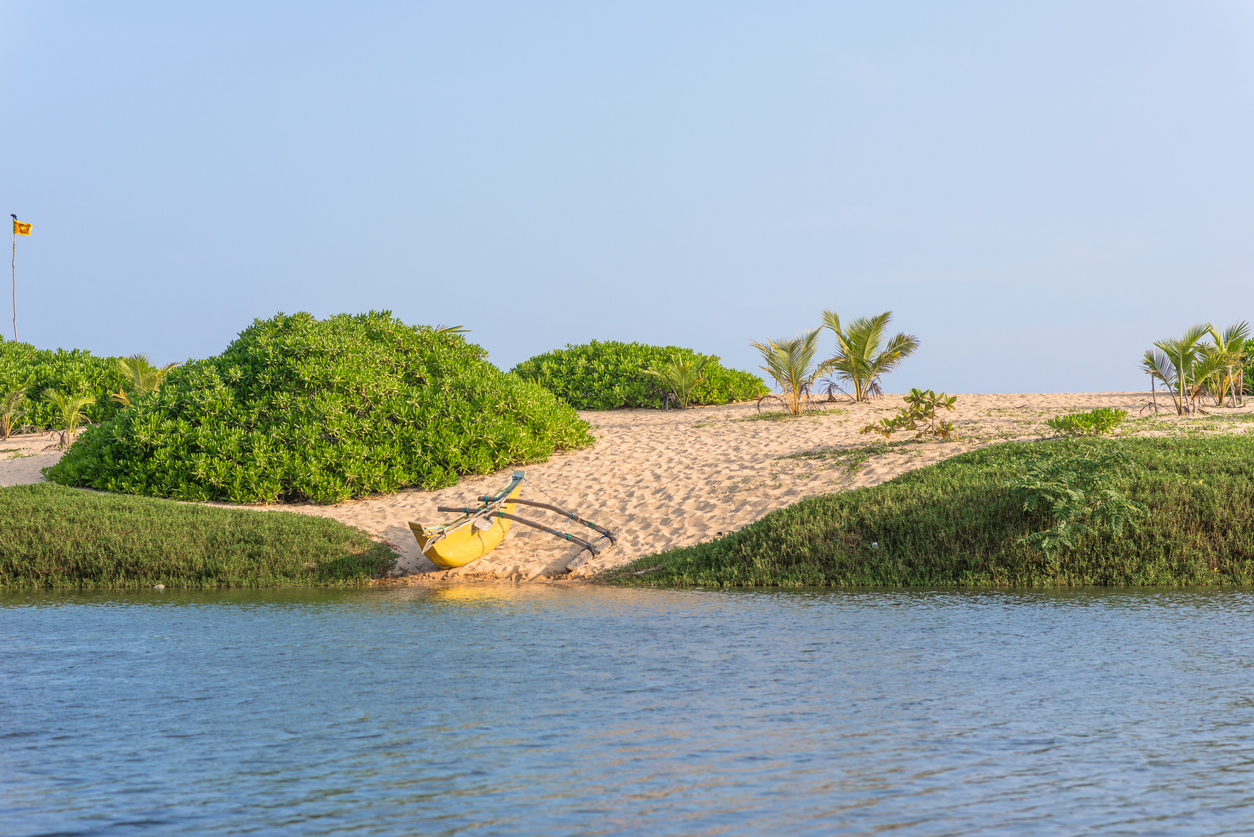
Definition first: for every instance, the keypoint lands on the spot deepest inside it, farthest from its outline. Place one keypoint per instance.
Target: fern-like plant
(70, 408)
(791, 363)
(681, 378)
(1079, 494)
(12, 406)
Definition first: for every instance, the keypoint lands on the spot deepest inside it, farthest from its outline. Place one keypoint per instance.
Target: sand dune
(664, 479)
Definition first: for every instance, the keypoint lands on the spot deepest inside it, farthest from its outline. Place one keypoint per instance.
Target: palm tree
(1159, 369)
(71, 409)
(789, 362)
(1230, 351)
(860, 360)
(681, 377)
(1176, 364)
(11, 409)
(144, 377)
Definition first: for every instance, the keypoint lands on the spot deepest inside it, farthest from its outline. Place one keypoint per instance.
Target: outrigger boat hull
(480, 529)
(461, 546)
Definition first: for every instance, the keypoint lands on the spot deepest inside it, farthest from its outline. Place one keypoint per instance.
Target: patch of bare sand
(23, 457)
(666, 479)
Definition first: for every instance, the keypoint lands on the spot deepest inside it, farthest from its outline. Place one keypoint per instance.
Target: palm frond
(861, 357)
(790, 363)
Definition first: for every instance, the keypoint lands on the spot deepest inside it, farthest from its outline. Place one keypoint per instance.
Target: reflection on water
(524, 710)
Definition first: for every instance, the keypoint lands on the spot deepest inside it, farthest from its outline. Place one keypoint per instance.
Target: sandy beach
(674, 478)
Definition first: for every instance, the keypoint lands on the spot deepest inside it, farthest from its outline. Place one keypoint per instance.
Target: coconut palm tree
(790, 363)
(681, 378)
(71, 409)
(144, 377)
(861, 360)
(12, 405)
(1230, 351)
(1180, 365)
(1156, 365)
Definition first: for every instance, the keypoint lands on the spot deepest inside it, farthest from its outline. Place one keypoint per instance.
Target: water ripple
(508, 710)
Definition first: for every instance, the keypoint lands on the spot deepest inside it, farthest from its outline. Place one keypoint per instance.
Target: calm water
(500, 710)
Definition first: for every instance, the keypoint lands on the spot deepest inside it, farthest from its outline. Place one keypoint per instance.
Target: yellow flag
(19, 228)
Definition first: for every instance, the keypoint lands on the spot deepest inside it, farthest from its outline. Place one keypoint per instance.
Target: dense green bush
(605, 376)
(1099, 422)
(73, 372)
(305, 409)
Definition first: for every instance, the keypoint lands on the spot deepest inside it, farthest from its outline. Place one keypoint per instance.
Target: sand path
(664, 479)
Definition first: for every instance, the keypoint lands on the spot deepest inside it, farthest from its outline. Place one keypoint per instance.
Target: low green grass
(62, 537)
(954, 524)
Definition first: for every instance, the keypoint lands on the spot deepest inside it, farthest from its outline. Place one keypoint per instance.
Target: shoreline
(662, 479)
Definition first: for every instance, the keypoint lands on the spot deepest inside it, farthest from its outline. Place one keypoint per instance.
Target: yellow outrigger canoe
(480, 529)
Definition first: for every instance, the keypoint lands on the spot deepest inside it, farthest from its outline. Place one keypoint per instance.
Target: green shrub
(324, 410)
(74, 372)
(609, 375)
(1099, 422)
(918, 415)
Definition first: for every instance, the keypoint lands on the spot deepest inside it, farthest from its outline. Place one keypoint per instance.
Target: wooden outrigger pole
(480, 529)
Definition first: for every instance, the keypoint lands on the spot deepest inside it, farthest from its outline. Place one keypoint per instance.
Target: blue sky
(1036, 190)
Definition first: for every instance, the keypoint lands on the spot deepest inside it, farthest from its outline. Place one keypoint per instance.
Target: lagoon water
(550, 710)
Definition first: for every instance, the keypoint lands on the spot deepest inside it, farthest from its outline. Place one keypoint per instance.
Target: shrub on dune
(74, 372)
(608, 375)
(323, 410)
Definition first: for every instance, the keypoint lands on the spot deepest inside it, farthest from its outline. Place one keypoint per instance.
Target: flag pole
(14, 266)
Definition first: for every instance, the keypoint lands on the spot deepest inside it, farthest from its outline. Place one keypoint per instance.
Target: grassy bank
(955, 524)
(60, 537)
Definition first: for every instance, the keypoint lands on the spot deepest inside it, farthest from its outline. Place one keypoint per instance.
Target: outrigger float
(480, 529)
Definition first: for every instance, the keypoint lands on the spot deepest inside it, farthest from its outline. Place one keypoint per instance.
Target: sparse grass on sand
(781, 415)
(62, 537)
(955, 524)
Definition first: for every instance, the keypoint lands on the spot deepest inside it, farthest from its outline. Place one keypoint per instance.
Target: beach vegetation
(610, 375)
(57, 537)
(681, 377)
(12, 407)
(784, 415)
(958, 523)
(70, 413)
(865, 353)
(921, 415)
(1101, 421)
(1230, 350)
(142, 378)
(70, 371)
(1078, 492)
(302, 409)
(790, 362)
(1189, 367)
